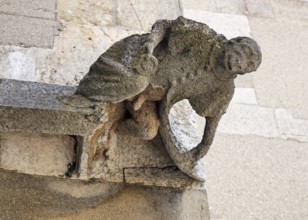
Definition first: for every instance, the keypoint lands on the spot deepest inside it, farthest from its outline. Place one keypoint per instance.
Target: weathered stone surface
(245, 117)
(186, 124)
(35, 107)
(290, 127)
(290, 10)
(75, 49)
(231, 6)
(226, 24)
(265, 178)
(151, 204)
(209, 5)
(42, 109)
(249, 120)
(245, 81)
(145, 72)
(32, 197)
(260, 8)
(26, 31)
(19, 65)
(143, 13)
(244, 96)
(286, 85)
(37, 154)
(29, 8)
(166, 177)
(98, 13)
(229, 25)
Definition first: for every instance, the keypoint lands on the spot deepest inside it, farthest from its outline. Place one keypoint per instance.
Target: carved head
(242, 55)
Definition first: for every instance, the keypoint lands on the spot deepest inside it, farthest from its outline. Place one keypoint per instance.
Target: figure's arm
(145, 63)
(207, 139)
(212, 119)
(158, 32)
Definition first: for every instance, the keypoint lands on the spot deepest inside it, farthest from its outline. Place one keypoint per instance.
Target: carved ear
(146, 64)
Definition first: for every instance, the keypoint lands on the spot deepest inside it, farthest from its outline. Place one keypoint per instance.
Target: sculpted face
(242, 55)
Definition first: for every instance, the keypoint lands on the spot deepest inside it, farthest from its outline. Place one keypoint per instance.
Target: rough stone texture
(187, 125)
(290, 127)
(260, 8)
(257, 178)
(26, 31)
(209, 5)
(281, 80)
(150, 204)
(99, 13)
(231, 6)
(288, 10)
(143, 13)
(35, 107)
(20, 65)
(245, 81)
(248, 120)
(226, 24)
(146, 71)
(244, 96)
(29, 8)
(37, 154)
(242, 184)
(31, 197)
(75, 49)
(42, 109)
(168, 176)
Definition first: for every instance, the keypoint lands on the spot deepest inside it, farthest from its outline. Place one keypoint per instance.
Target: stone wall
(257, 167)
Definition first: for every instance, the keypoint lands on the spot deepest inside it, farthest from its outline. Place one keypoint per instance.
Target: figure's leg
(144, 122)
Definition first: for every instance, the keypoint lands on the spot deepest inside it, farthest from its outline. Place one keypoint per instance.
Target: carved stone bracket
(38, 108)
(119, 113)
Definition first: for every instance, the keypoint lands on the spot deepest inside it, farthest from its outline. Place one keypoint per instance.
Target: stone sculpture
(179, 59)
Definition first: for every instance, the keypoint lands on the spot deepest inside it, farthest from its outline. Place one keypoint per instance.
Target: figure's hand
(147, 48)
(138, 102)
(145, 63)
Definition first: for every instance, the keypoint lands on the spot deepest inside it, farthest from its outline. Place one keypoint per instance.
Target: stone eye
(247, 51)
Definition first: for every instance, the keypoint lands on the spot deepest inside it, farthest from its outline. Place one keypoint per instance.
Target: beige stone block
(244, 81)
(251, 177)
(249, 120)
(231, 6)
(260, 8)
(19, 64)
(75, 49)
(281, 80)
(226, 24)
(140, 203)
(208, 5)
(29, 8)
(91, 12)
(244, 96)
(26, 31)
(286, 10)
(186, 125)
(34, 197)
(38, 154)
(290, 127)
(142, 14)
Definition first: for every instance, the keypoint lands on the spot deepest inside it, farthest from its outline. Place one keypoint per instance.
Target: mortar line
(27, 16)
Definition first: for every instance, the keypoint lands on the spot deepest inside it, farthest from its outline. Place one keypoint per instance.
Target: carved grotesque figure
(178, 59)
